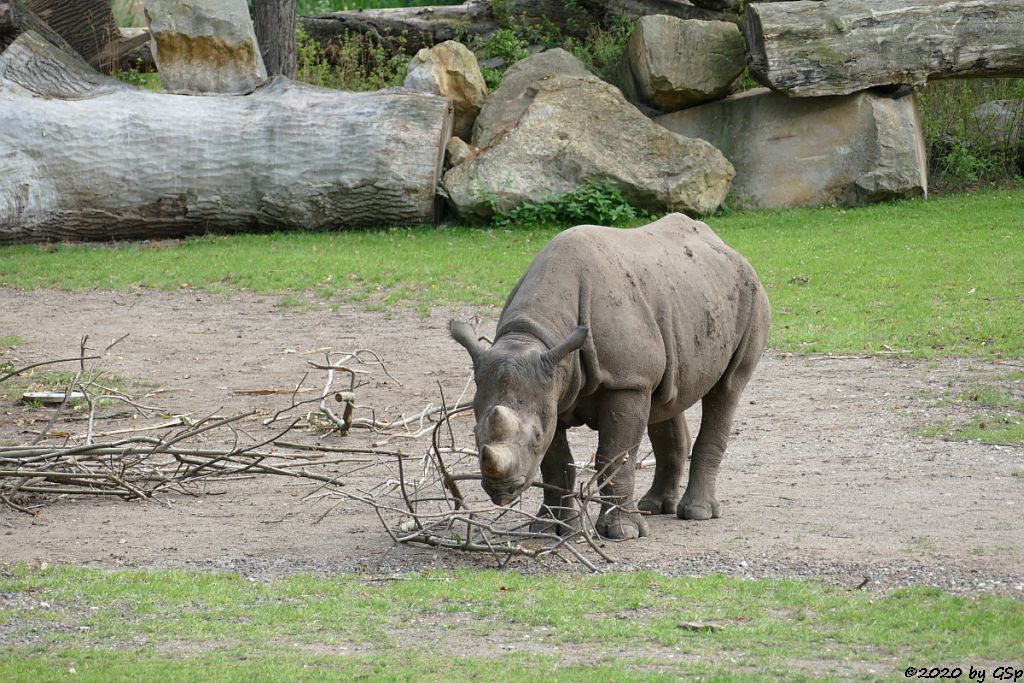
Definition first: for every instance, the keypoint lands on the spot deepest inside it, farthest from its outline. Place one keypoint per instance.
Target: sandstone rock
(450, 69)
(205, 46)
(847, 149)
(675, 63)
(561, 130)
(457, 151)
(1001, 123)
(508, 101)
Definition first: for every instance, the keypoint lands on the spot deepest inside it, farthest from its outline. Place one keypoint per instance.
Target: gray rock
(847, 150)
(450, 69)
(205, 46)
(562, 130)
(673, 63)
(1001, 123)
(457, 151)
(507, 103)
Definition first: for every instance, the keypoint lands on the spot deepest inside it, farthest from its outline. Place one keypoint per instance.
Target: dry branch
(419, 500)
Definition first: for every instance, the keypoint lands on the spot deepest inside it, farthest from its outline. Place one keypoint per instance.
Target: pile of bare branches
(423, 503)
(138, 465)
(419, 499)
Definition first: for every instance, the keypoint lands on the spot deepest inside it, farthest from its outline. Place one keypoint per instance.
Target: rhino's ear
(573, 342)
(464, 334)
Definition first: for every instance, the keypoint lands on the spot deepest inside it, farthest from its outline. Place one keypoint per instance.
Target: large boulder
(673, 63)
(205, 46)
(509, 101)
(847, 150)
(1000, 123)
(450, 69)
(562, 130)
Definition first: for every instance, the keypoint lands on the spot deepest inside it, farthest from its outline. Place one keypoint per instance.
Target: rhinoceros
(661, 316)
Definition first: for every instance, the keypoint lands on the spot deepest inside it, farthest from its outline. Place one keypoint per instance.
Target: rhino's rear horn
(464, 334)
(502, 424)
(574, 341)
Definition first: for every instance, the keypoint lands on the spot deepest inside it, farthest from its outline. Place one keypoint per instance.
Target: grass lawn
(922, 278)
(184, 625)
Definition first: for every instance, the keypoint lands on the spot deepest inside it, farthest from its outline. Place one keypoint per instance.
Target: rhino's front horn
(502, 424)
(495, 462)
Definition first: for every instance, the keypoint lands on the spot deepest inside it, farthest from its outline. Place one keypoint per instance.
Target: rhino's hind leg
(671, 443)
(717, 409)
(557, 470)
(622, 418)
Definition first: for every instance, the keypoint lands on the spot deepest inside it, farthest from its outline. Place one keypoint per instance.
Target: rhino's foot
(562, 521)
(698, 510)
(659, 503)
(618, 525)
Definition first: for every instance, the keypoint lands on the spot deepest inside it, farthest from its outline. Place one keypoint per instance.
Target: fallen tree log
(87, 157)
(87, 25)
(811, 49)
(412, 28)
(83, 27)
(16, 18)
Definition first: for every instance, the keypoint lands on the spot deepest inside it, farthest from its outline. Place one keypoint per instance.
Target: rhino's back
(667, 304)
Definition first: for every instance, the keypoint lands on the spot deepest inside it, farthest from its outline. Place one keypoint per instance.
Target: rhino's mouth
(503, 494)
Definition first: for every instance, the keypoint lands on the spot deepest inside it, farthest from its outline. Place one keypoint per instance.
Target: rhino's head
(516, 407)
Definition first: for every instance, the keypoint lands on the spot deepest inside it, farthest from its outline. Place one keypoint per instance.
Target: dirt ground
(825, 477)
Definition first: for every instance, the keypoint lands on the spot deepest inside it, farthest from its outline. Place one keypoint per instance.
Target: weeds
(360, 62)
(594, 201)
(600, 49)
(966, 146)
(997, 418)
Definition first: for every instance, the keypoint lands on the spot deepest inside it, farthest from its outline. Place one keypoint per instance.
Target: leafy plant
(359, 62)
(594, 201)
(602, 49)
(506, 45)
(134, 75)
(963, 164)
(963, 150)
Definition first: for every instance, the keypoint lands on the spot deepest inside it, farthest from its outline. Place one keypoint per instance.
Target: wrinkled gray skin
(661, 316)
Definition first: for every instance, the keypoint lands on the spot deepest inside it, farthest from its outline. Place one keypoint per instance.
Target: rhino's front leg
(622, 418)
(557, 470)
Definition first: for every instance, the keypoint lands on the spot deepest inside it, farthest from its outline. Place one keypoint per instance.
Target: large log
(810, 49)
(83, 156)
(83, 28)
(87, 25)
(413, 28)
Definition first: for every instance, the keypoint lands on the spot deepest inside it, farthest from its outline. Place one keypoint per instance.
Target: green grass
(10, 340)
(186, 625)
(998, 418)
(922, 278)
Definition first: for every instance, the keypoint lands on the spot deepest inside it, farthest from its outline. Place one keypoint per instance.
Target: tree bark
(84, 156)
(87, 25)
(16, 18)
(275, 32)
(811, 49)
(412, 28)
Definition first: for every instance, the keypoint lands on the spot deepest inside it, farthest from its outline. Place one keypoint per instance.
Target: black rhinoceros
(662, 316)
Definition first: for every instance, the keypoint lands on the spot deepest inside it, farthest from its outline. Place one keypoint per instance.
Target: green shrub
(359, 62)
(960, 153)
(600, 49)
(594, 201)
